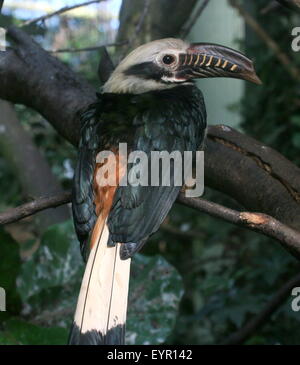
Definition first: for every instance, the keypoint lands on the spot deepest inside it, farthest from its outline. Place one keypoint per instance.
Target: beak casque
(203, 60)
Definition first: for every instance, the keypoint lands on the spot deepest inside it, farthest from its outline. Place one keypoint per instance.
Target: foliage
(154, 295)
(230, 274)
(48, 284)
(272, 112)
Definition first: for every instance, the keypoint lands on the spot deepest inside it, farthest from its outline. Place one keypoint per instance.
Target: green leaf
(57, 262)
(50, 280)
(18, 332)
(296, 140)
(49, 284)
(295, 120)
(9, 270)
(154, 296)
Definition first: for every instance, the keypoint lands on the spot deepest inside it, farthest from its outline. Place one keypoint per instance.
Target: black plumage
(166, 120)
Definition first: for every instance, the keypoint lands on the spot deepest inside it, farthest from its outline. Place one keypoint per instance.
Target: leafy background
(199, 279)
(48, 282)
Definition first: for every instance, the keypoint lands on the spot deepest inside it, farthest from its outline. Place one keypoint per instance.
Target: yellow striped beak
(203, 60)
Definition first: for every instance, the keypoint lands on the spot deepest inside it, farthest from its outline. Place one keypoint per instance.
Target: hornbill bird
(150, 102)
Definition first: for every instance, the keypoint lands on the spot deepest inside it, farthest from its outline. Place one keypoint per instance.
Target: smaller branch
(290, 4)
(262, 223)
(282, 57)
(142, 18)
(1, 5)
(273, 5)
(86, 49)
(187, 28)
(60, 11)
(33, 207)
(261, 318)
(139, 25)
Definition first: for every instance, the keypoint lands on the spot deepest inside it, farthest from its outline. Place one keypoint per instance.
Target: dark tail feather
(114, 336)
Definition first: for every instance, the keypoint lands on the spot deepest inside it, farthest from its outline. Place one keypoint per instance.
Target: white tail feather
(102, 302)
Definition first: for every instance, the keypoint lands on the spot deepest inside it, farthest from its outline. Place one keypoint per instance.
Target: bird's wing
(84, 214)
(138, 211)
(146, 123)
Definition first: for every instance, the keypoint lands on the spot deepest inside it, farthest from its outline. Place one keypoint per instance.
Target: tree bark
(31, 76)
(163, 19)
(256, 176)
(35, 206)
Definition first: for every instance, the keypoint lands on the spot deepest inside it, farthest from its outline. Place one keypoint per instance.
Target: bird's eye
(168, 59)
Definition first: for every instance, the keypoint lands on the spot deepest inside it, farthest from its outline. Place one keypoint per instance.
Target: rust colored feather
(104, 194)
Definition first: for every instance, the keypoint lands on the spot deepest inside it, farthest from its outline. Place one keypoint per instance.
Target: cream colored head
(169, 62)
(121, 81)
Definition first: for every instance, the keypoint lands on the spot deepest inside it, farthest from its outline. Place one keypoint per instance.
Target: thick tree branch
(261, 318)
(1, 5)
(31, 76)
(256, 176)
(60, 11)
(33, 207)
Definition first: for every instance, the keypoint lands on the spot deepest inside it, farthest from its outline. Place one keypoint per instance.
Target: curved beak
(204, 60)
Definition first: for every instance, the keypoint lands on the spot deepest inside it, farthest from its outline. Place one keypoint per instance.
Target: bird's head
(170, 62)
